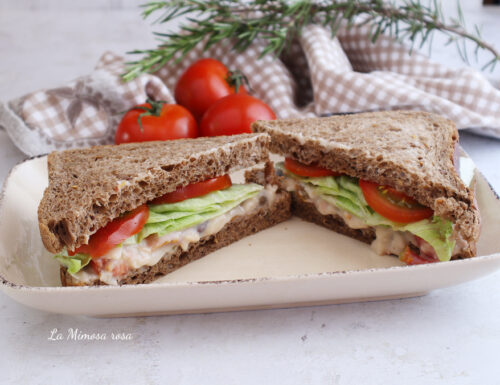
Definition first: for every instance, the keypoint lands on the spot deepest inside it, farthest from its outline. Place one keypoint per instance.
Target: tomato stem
(236, 79)
(153, 110)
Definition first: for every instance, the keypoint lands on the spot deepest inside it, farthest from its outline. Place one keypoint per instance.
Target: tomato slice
(114, 233)
(393, 204)
(409, 257)
(195, 190)
(301, 169)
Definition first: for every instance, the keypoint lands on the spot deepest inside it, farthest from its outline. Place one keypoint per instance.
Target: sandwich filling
(169, 227)
(425, 238)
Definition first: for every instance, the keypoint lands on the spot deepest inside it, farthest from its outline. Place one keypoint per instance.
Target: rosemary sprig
(278, 22)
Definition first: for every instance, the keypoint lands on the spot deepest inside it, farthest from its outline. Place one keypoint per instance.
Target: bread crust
(412, 151)
(90, 187)
(235, 230)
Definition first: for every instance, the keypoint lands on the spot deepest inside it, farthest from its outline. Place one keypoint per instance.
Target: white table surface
(451, 336)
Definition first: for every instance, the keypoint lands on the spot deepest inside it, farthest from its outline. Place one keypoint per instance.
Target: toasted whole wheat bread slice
(411, 151)
(90, 187)
(238, 228)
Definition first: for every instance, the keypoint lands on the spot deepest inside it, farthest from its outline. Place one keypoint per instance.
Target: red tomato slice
(308, 171)
(114, 233)
(393, 204)
(409, 257)
(162, 122)
(202, 84)
(233, 114)
(195, 190)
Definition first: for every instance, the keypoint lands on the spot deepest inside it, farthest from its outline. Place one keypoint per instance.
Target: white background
(450, 336)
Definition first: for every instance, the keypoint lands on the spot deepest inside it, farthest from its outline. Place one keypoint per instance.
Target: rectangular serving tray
(293, 264)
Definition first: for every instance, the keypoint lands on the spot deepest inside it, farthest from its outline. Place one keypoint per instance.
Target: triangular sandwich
(385, 178)
(131, 213)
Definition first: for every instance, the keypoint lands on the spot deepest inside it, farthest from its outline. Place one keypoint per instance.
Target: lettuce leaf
(345, 193)
(169, 217)
(437, 232)
(74, 263)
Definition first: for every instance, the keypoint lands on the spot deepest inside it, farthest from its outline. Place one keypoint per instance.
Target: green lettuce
(73, 263)
(344, 192)
(169, 217)
(437, 232)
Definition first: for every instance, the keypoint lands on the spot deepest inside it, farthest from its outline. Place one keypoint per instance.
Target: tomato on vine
(233, 115)
(156, 120)
(205, 82)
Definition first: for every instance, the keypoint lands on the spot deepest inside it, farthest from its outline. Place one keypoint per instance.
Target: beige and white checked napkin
(319, 75)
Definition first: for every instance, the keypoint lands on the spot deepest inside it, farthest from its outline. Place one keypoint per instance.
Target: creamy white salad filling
(150, 250)
(387, 240)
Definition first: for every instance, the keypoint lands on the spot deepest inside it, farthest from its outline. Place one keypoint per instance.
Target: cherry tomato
(159, 121)
(195, 190)
(301, 169)
(393, 204)
(202, 84)
(409, 257)
(233, 115)
(114, 233)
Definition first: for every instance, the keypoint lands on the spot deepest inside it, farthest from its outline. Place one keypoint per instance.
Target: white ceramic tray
(293, 264)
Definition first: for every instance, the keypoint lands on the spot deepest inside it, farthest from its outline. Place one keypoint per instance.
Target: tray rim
(306, 276)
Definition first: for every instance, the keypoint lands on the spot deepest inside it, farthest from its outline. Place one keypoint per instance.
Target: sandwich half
(385, 178)
(131, 213)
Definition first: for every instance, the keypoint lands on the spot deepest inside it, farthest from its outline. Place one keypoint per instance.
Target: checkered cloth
(319, 75)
